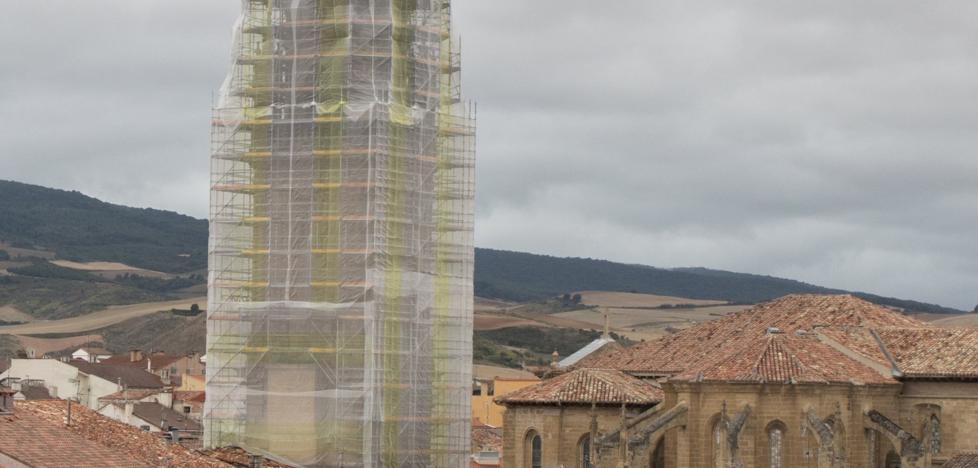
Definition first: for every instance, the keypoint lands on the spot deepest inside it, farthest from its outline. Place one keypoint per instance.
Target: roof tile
(586, 386)
(708, 342)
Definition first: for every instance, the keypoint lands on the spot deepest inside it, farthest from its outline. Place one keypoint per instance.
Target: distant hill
(518, 276)
(82, 228)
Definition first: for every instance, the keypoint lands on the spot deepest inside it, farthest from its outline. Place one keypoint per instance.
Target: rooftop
(129, 376)
(933, 352)
(707, 344)
(587, 386)
(164, 418)
(34, 441)
(129, 395)
(592, 349)
(786, 359)
(36, 435)
(486, 438)
(484, 372)
(239, 457)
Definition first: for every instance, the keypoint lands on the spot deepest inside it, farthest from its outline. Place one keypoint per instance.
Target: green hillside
(81, 228)
(518, 276)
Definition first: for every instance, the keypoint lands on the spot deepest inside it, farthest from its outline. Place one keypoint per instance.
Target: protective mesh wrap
(340, 312)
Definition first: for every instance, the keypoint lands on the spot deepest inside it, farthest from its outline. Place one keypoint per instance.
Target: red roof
(36, 442)
(191, 396)
(917, 353)
(36, 435)
(707, 342)
(786, 359)
(586, 386)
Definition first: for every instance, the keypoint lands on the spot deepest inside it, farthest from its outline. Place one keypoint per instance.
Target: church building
(802, 381)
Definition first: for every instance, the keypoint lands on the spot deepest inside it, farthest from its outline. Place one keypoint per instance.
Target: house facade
(171, 368)
(81, 381)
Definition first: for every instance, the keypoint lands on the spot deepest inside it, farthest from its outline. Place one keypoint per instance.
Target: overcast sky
(833, 142)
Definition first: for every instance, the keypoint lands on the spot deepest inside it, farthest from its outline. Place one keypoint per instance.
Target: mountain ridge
(82, 228)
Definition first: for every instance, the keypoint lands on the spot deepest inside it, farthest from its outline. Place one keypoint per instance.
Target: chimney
(607, 327)
(135, 355)
(6, 400)
(127, 411)
(554, 359)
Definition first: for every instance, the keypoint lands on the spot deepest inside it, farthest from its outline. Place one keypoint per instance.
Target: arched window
(892, 460)
(775, 444)
(584, 452)
(719, 443)
(872, 448)
(659, 454)
(533, 450)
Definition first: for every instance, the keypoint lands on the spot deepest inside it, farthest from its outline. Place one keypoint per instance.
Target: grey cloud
(832, 142)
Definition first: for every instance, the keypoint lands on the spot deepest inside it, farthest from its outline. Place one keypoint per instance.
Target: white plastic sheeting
(340, 310)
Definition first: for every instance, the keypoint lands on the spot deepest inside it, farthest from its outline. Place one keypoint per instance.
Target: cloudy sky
(833, 142)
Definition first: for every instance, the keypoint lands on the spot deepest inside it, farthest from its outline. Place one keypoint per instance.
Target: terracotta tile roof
(586, 386)
(37, 442)
(962, 460)
(786, 359)
(136, 447)
(239, 457)
(860, 340)
(933, 352)
(129, 395)
(918, 353)
(704, 343)
(486, 438)
(190, 396)
(131, 377)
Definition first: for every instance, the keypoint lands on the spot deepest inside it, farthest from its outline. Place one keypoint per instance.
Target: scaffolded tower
(340, 310)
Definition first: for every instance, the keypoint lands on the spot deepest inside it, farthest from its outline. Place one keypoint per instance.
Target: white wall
(58, 376)
(97, 388)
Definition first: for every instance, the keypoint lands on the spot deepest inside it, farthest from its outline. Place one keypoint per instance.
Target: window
(584, 452)
(533, 452)
(775, 444)
(872, 448)
(186, 410)
(659, 454)
(719, 441)
(892, 460)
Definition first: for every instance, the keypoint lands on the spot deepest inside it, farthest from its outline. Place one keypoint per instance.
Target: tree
(194, 309)
(576, 299)
(4, 255)
(976, 309)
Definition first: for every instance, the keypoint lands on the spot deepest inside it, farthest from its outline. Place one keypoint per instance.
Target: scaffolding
(340, 312)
